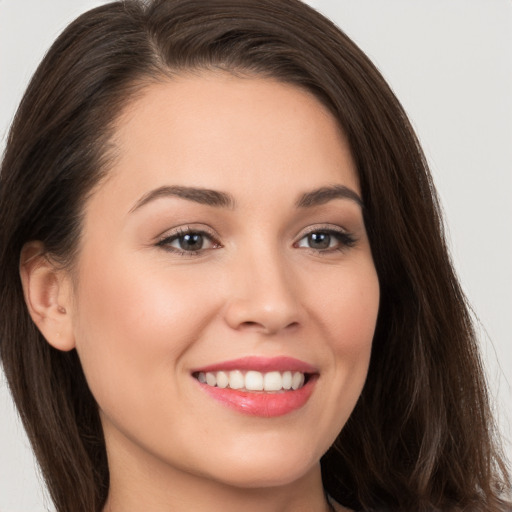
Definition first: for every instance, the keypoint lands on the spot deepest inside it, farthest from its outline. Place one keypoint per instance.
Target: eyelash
(183, 232)
(345, 240)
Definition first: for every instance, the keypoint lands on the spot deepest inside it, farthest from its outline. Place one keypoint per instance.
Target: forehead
(216, 130)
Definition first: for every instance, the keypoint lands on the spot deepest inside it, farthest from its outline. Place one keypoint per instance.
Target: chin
(245, 471)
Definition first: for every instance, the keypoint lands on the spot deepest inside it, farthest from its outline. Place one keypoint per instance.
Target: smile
(265, 387)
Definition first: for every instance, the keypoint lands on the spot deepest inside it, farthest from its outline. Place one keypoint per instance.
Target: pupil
(191, 242)
(319, 240)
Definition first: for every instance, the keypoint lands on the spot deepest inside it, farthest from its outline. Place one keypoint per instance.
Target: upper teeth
(252, 380)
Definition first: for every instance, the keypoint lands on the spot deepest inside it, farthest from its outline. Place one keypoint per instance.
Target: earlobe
(47, 291)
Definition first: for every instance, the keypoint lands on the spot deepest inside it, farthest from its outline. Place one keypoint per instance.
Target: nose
(263, 296)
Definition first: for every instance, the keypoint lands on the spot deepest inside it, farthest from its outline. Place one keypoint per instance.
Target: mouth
(265, 387)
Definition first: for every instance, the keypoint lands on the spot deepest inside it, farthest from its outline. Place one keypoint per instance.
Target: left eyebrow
(325, 194)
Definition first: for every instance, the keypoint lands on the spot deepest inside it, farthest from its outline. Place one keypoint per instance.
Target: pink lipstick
(266, 387)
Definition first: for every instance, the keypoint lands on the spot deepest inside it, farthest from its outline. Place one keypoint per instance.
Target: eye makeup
(188, 241)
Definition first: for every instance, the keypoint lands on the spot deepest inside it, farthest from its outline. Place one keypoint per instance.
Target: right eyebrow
(198, 195)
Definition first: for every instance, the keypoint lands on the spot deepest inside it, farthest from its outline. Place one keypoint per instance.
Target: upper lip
(260, 364)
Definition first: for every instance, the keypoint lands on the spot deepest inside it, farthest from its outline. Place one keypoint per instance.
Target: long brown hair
(421, 436)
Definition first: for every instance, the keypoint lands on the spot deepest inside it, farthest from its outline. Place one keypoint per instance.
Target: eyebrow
(224, 200)
(325, 194)
(198, 195)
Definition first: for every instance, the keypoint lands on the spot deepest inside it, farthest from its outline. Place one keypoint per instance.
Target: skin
(143, 315)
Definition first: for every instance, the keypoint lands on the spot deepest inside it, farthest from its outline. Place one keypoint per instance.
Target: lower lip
(260, 403)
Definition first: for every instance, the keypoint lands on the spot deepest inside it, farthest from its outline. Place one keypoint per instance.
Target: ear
(47, 291)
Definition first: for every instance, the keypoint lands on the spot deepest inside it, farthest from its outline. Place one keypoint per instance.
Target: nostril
(258, 326)
(250, 325)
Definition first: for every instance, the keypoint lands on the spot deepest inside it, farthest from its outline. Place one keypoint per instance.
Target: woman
(234, 289)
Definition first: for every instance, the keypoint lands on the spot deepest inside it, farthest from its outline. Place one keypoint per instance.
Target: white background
(450, 63)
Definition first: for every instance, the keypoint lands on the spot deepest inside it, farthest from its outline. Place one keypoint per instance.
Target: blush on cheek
(135, 318)
(355, 321)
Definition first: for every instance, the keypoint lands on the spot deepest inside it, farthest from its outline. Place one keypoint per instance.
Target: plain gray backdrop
(450, 64)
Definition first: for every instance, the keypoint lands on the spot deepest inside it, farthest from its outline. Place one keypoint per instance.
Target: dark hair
(421, 436)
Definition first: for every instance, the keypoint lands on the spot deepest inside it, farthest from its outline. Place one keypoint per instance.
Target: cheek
(356, 327)
(133, 322)
(346, 304)
(348, 313)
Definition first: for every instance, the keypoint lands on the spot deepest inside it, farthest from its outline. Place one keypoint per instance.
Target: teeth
(253, 381)
(222, 380)
(297, 380)
(211, 379)
(236, 379)
(272, 381)
(287, 380)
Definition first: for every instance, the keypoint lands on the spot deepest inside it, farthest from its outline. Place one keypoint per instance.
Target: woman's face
(227, 245)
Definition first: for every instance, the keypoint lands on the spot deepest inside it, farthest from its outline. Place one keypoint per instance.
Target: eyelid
(331, 228)
(165, 239)
(347, 238)
(185, 230)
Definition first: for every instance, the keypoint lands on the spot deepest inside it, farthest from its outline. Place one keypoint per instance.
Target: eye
(188, 241)
(325, 240)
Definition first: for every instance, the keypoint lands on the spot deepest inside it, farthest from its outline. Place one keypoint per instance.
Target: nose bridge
(263, 292)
